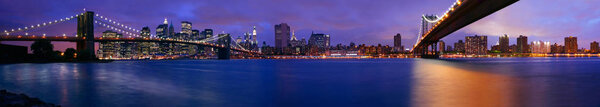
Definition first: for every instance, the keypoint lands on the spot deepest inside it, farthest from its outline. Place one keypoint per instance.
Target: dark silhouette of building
(522, 45)
(571, 44)
(594, 48)
(459, 46)
(319, 40)
(441, 46)
(282, 35)
(12, 53)
(398, 41)
(557, 48)
(504, 44)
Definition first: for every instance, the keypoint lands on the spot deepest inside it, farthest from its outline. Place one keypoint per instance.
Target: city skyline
(354, 27)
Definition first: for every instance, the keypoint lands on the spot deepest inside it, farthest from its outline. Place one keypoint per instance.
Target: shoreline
(9, 99)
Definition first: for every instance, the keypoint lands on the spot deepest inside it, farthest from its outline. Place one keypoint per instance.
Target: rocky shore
(8, 99)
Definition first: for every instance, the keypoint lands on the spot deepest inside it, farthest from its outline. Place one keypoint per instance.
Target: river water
(480, 82)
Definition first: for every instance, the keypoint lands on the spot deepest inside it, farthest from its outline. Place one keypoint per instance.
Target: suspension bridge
(459, 15)
(85, 39)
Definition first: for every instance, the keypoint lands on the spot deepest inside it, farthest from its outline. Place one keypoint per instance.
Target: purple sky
(360, 21)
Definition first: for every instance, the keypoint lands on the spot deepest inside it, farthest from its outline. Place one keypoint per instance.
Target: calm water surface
(348, 82)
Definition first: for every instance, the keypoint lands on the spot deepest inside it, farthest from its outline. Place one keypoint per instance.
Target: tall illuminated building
(186, 27)
(109, 50)
(254, 35)
(146, 48)
(294, 42)
(282, 35)
(571, 44)
(162, 31)
(540, 47)
(522, 45)
(504, 44)
(476, 45)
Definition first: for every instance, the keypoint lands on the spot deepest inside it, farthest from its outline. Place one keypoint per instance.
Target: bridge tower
(85, 33)
(224, 53)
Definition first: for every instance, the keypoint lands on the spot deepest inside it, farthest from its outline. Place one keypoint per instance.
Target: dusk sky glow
(360, 21)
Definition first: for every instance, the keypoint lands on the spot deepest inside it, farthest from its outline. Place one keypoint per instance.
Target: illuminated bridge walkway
(85, 35)
(460, 14)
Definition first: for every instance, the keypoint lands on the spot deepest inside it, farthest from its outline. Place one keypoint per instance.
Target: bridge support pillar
(85, 33)
(225, 52)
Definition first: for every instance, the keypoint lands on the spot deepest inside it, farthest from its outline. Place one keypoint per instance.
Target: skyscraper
(522, 46)
(294, 42)
(145, 32)
(476, 45)
(459, 46)
(162, 31)
(441, 46)
(398, 41)
(186, 27)
(254, 35)
(319, 40)
(171, 30)
(195, 34)
(282, 35)
(571, 44)
(504, 44)
(145, 48)
(207, 33)
(594, 47)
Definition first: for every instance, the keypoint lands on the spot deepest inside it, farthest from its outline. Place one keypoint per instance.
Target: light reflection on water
(444, 84)
(347, 82)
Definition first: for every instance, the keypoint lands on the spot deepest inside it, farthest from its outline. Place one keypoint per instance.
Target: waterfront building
(146, 48)
(109, 50)
(476, 45)
(540, 47)
(594, 47)
(522, 45)
(398, 42)
(449, 48)
(294, 42)
(441, 46)
(282, 35)
(206, 33)
(459, 46)
(513, 48)
(557, 48)
(571, 44)
(503, 44)
(319, 40)
(162, 31)
(496, 48)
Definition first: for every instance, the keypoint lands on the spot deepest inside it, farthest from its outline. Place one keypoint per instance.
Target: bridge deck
(100, 39)
(468, 12)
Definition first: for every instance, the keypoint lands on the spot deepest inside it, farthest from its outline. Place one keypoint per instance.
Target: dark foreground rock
(8, 99)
